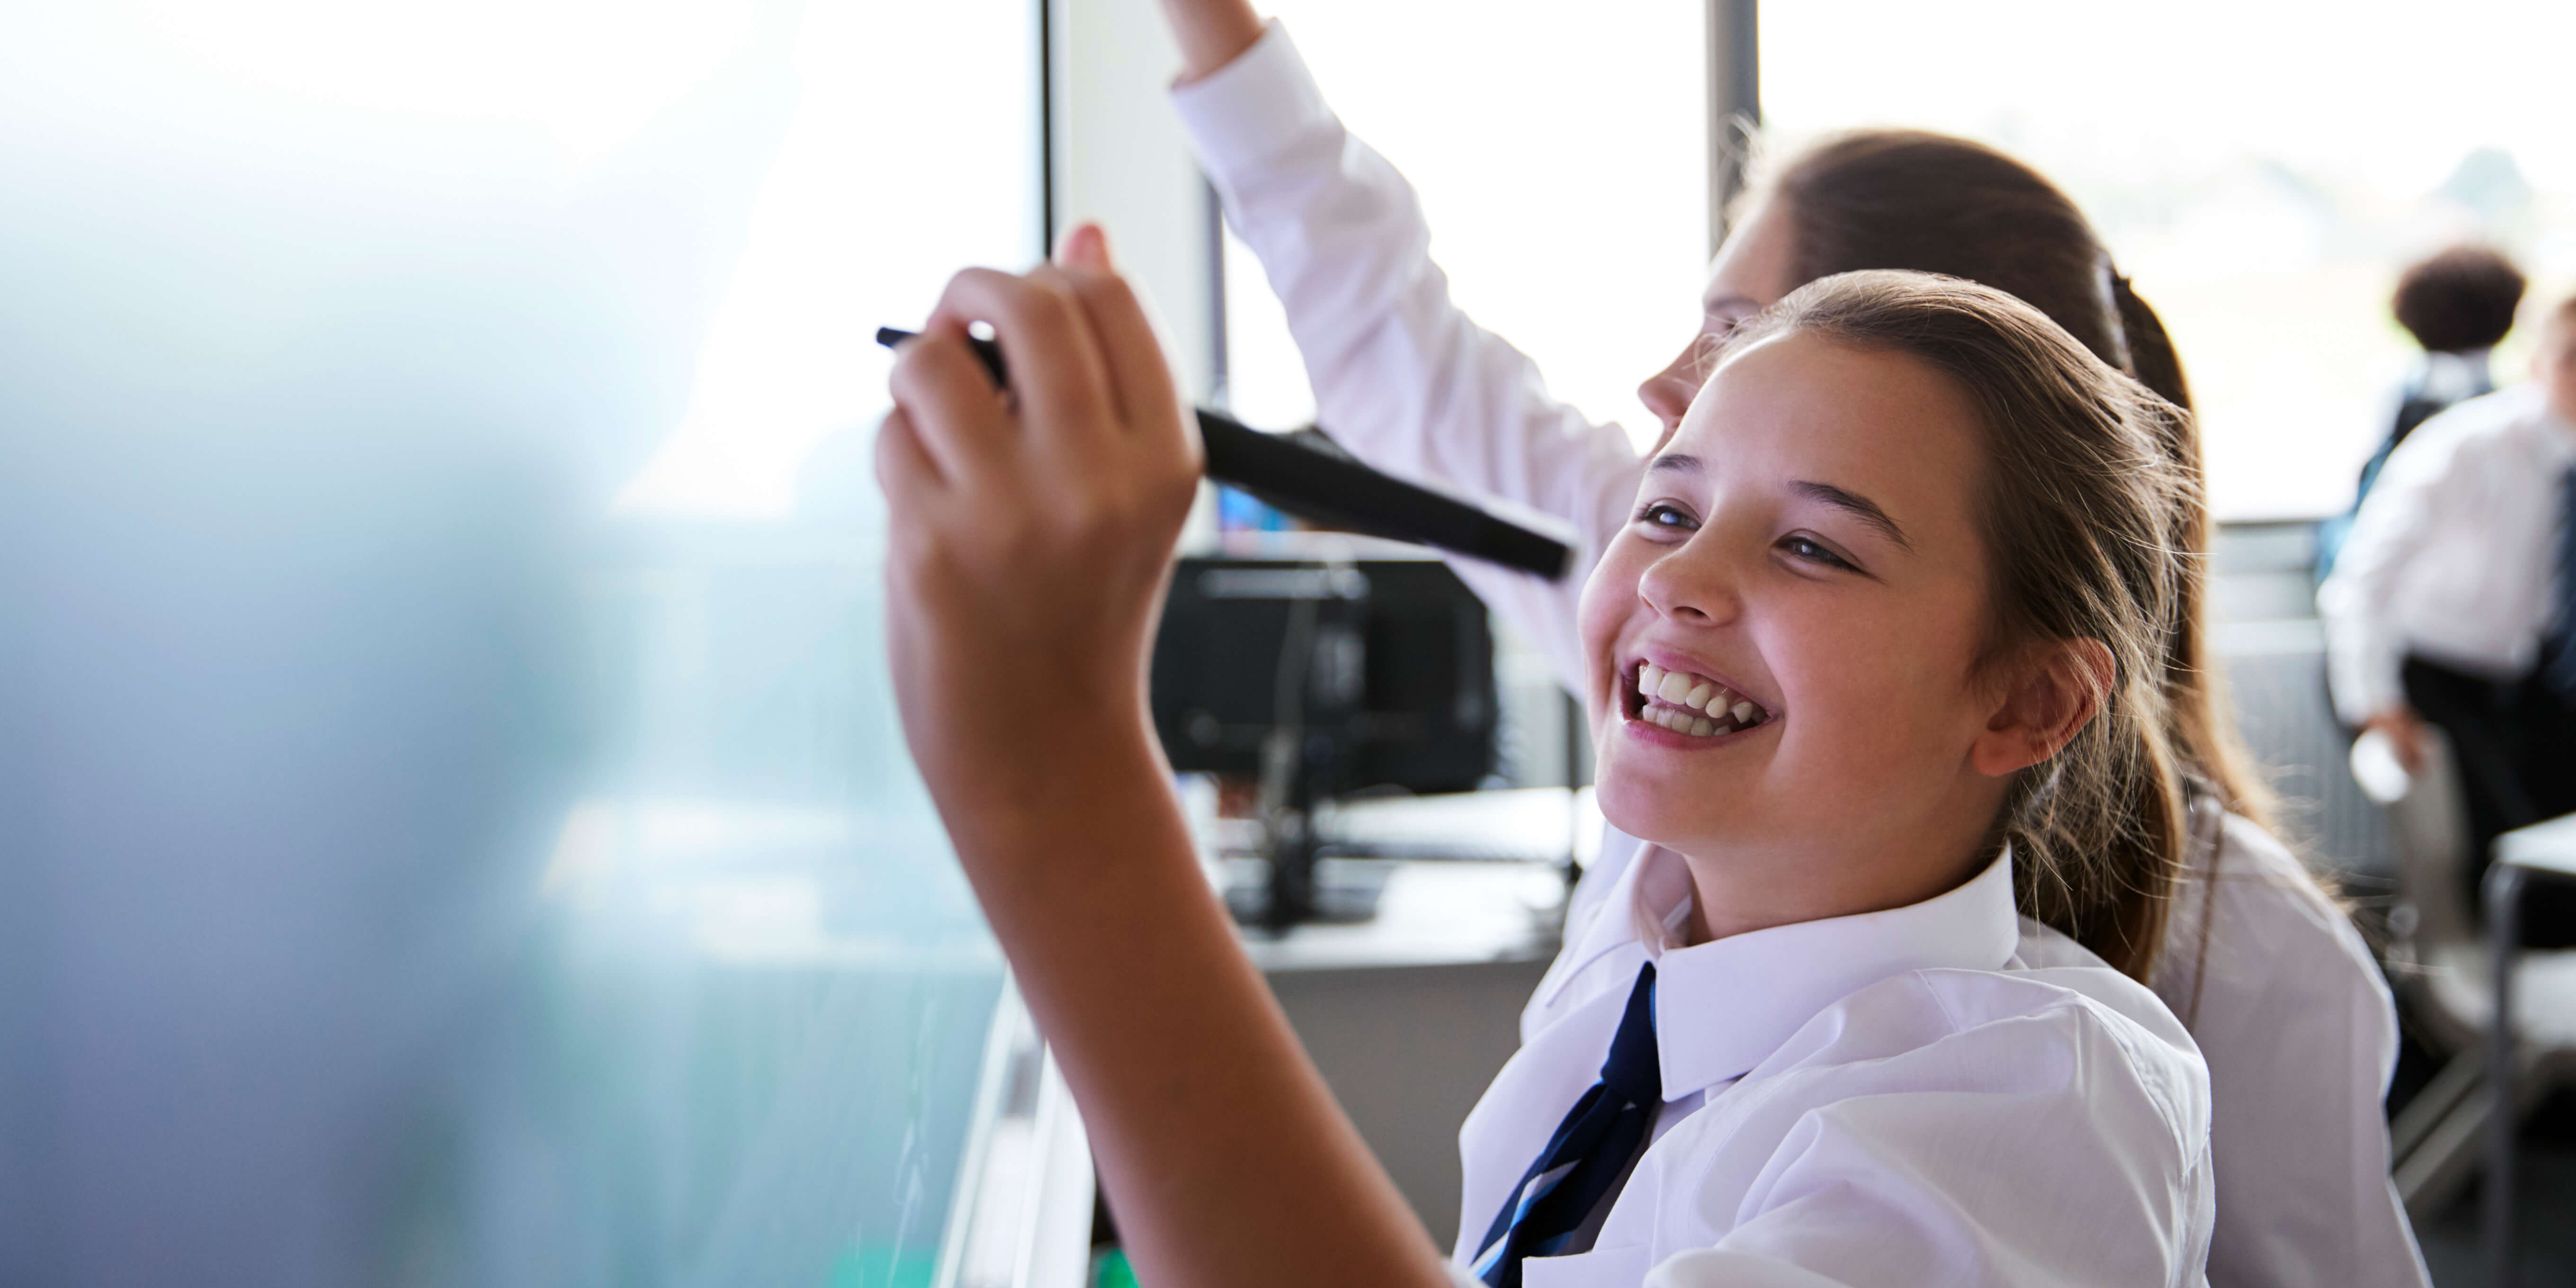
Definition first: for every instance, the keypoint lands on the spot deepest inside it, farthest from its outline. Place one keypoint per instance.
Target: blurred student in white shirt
(2458, 304)
(1874, 668)
(2277, 988)
(2454, 604)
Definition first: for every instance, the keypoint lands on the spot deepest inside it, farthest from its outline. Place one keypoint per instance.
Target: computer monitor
(1324, 677)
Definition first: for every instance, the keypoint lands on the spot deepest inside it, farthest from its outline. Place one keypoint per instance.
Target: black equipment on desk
(1323, 677)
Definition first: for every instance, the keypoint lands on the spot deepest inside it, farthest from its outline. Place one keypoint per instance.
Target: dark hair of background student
(2460, 300)
(1929, 202)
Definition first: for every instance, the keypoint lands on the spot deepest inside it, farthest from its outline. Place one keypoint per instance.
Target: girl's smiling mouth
(1692, 709)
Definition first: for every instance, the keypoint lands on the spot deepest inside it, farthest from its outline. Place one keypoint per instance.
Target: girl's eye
(1809, 549)
(1666, 516)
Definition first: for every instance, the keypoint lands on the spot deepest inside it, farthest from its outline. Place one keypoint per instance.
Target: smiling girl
(2283, 998)
(1857, 1018)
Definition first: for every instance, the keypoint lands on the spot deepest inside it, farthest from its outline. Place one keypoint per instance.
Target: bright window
(2262, 170)
(1560, 152)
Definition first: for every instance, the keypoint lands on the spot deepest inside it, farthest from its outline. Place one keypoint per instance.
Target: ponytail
(2204, 730)
(2151, 352)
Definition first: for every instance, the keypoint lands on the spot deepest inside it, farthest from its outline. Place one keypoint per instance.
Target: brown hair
(1912, 199)
(2459, 300)
(2076, 501)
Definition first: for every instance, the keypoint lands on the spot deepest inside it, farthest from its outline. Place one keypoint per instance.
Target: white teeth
(1675, 719)
(1684, 689)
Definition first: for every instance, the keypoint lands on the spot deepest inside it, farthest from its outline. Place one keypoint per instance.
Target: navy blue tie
(2558, 648)
(1590, 1152)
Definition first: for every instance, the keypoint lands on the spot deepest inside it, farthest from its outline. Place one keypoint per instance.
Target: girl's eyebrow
(1854, 504)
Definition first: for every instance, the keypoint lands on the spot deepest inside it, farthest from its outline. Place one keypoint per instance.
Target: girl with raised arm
(2267, 972)
(1873, 669)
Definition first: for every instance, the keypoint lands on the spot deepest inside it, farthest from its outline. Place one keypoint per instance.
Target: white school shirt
(1945, 1093)
(2453, 556)
(2293, 1016)
(2296, 1213)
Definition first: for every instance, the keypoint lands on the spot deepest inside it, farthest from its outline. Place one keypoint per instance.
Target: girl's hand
(2405, 732)
(1031, 530)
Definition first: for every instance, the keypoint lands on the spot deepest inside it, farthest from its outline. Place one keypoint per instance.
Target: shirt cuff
(1252, 109)
(2365, 680)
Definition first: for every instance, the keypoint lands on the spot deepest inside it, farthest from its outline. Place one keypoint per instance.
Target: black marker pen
(1339, 493)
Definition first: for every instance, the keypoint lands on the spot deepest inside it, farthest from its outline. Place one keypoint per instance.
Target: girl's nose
(1668, 392)
(1692, 585)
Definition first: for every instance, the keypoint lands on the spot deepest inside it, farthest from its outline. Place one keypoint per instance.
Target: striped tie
(1589, 1154)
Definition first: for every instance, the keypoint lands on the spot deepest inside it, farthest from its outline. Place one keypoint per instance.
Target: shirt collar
(1724, 1006)
(2452, 377)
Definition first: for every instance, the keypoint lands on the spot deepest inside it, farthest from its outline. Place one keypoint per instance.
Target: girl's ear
(2057, 687)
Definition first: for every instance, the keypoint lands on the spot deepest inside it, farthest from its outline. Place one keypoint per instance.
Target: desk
(1410, 1015)
(2546, 848)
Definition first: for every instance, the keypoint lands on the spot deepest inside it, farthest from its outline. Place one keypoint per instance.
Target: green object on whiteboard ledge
(1109, 1269)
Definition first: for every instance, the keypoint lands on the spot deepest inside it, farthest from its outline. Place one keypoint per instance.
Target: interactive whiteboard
(457, 831)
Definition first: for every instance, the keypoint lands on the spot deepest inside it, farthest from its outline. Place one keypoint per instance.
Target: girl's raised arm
(1402, 376)
(1029, 545)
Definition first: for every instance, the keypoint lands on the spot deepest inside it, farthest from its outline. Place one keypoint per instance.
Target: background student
(2459, 305)
(2455, 604)
(1911, 525)
(2266, 970)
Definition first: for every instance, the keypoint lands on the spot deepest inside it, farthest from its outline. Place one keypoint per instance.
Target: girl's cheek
(1609, 599)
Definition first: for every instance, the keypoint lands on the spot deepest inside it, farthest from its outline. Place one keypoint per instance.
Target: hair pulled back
(2075, 505)
(1911, 199)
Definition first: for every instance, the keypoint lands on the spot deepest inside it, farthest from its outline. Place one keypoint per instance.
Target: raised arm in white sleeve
(1402, 377)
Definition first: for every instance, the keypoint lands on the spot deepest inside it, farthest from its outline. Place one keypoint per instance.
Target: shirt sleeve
(2301, 1036)
(1402, 376)
(2365, 647)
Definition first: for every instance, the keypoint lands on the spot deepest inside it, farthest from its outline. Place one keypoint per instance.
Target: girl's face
(1752, 271)
(1805, 543)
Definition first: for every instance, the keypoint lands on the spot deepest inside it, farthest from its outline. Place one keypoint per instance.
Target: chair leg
(2503, 890)
(2463, 1073)
(2445, 1153)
